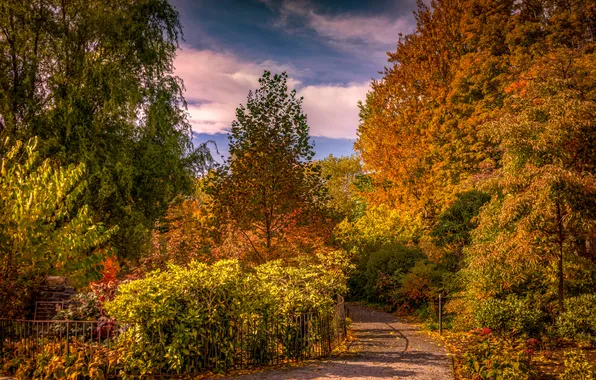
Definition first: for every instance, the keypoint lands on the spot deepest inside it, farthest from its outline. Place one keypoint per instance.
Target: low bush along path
(385, 348)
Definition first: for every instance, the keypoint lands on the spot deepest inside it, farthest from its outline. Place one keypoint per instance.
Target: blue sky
(330, 49)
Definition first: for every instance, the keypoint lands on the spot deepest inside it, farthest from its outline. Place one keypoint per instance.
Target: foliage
(379, 225)
(491, 357)
(268, 183)
(577, 367)
(342, 176)
(188, 231)
(93, 79)
(381, 271)
(89, 361)
(42, 231)
(578, 321)
(515, 315)
(456, 222)
(543, 210)
(187, 307)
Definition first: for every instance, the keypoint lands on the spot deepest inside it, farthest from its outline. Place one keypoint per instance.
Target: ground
(385, 348)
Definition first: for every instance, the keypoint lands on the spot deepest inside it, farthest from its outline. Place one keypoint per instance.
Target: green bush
(577, 367)
(578, 321)
(382, 270)
(173, 316)
(514, 315)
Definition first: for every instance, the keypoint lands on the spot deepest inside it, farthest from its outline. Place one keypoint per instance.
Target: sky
(331, 51)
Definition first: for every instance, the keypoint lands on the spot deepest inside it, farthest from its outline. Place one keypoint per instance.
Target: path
(385, 349)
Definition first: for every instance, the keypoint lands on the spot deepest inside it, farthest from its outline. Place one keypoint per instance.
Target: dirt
(385, 348)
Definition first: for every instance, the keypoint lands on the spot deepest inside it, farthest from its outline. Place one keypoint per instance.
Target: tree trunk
(560, 240)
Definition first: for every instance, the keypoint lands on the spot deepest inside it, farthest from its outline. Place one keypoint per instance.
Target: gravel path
(385, 349)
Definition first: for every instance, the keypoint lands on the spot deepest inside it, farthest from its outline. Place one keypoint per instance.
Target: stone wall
(53, 296)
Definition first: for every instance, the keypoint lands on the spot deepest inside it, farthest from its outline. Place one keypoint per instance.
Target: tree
(268, 183)
(544, 209)
(456, 223)
(42, 231)
(93, 79)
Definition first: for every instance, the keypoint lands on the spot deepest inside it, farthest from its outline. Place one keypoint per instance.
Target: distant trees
(343, 179)
(93, 79)
(268, 184)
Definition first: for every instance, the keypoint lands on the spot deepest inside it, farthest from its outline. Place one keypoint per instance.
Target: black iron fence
(246, 343)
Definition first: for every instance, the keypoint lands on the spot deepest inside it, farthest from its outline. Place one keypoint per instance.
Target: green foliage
(577, 367)
(456, 222)
(42, 231)
(268, 182)
(578, 321)
(93, 79)
(381, 271)
(343, 178)
(491, 357)
(178, 311)
(515, 315)
(379, 225)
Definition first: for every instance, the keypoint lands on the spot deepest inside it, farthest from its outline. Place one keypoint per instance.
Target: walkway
(385, 349)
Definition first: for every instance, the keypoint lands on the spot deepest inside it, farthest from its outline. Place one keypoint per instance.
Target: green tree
(42, 231)
(268, 183)
(456, 223)
(93, 79)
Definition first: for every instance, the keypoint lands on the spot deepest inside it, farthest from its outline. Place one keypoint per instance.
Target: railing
(248, 343)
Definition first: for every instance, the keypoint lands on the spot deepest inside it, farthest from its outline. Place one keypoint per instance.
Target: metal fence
(246, 343)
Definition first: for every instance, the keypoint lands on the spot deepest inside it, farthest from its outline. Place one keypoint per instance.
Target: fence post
(67, 337)
(440, 314)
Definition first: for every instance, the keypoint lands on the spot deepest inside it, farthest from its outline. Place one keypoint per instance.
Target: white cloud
(216, 83)
(332, 110)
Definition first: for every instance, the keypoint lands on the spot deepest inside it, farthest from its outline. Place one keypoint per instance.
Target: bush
(578, 321)
(175, 315)
(381, 271)
(514, 315)
(492, 357)
(577, 367)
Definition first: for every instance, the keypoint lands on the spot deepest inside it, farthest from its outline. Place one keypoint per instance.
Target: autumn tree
(544, 209)
(268, 183)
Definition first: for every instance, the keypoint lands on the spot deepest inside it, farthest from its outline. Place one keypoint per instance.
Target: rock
(56, 281)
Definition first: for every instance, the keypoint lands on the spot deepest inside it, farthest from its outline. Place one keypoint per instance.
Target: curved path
(385, 348)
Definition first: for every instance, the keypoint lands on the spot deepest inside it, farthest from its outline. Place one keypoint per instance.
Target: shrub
(514, 315)
(492, 357)
(174, 315)
(578, 321)
(577, 367)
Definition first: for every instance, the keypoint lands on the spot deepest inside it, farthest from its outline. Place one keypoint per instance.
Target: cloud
(345, 31)
(217, 82)
(332, 110)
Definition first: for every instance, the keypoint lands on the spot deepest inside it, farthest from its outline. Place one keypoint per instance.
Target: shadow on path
(385, 348)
